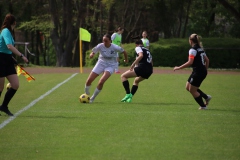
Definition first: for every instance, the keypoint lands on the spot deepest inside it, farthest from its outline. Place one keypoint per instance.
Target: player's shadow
(146, 103)
(160, 104)
(223, 110)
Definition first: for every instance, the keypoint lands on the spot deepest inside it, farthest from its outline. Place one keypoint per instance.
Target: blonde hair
(196, 39)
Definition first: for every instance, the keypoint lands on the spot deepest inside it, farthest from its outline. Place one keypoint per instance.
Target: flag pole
(84, 36)
(80, 45)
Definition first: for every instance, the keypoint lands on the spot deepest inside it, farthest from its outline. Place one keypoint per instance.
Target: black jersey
(199, 62)
(147, 57)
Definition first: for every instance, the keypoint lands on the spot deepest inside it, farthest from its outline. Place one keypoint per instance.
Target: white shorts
(101, 67)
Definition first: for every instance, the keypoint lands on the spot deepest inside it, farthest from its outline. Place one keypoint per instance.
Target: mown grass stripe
(4, 123)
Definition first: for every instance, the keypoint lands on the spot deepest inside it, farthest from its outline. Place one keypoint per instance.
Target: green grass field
(162, 122)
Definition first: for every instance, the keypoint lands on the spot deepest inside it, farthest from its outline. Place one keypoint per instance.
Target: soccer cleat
(202, 108)
(5, 110)
(129, 100)
(91, 100)
(126, 97)
(208, 99)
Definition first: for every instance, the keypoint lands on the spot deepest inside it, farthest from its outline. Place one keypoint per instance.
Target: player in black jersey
(141, 68)
(199, 61)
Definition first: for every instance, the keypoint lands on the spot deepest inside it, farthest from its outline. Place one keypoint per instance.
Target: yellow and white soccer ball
(84, 98)
(8, 86)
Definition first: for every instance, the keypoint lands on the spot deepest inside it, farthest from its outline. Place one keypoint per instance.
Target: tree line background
(52, 26)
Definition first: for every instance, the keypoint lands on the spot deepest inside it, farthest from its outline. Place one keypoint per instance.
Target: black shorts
(143, 70)
(7, 65)
(196, 79)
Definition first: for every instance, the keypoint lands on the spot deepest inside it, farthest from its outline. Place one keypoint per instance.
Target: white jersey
(145, 42)
(107, 54)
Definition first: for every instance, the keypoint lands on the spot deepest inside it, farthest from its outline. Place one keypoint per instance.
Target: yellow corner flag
(20, 70)
(84, 35)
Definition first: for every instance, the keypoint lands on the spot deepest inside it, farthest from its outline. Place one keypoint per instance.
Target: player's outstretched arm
(185, 65)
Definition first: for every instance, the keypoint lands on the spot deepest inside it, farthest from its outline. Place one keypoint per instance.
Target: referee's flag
(20, 70)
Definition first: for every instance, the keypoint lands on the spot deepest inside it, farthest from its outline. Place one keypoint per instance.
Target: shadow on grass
(141, 103)
(164, 104)
(223, 110)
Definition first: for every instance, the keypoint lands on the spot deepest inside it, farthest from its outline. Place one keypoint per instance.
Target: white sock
(116, 69)
(87, 88)
(96, 92)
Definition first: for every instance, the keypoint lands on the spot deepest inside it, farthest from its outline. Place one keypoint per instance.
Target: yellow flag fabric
(84, 35)
(20, 70)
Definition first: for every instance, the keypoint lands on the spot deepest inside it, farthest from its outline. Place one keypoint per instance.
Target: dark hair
(8, 21)
(108, 36)
(139, 41)
(119, 29)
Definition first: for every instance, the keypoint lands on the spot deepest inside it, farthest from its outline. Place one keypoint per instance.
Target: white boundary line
(4, 123)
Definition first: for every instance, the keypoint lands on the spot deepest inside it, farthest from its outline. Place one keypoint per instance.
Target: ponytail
(196, 39)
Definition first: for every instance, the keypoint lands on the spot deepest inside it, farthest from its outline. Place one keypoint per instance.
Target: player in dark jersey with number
(141, 68)
(199, 62)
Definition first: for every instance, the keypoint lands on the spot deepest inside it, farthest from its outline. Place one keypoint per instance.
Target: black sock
(134, 89)
(8, 96)
(126, 86)
(202, 94)
(199, 100)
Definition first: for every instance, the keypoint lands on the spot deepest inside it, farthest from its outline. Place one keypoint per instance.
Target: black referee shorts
(196, 79)
(143, 70)
(7, 65)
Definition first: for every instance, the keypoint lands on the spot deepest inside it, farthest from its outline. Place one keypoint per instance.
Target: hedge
(222, 52)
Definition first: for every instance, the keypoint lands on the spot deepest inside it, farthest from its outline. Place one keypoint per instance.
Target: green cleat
(129, 100)
(126, 97)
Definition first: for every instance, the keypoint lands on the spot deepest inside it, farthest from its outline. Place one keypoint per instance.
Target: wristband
(22, 55)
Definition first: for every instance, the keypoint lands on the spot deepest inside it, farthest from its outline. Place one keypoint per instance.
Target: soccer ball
(8, 86)
(84, 98)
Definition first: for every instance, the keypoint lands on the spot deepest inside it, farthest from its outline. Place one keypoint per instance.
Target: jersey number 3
(149, 58)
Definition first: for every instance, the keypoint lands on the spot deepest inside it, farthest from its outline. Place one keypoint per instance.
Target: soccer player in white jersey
(199, 61)
(106, 64)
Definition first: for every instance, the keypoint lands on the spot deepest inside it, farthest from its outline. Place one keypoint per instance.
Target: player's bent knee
(15, 86)
(123, 78)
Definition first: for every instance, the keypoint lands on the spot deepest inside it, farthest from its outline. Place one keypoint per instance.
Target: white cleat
(91, 100)
(208, 99)
(202, 108)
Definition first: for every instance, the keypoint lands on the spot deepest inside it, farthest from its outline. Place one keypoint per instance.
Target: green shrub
(222, 52)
